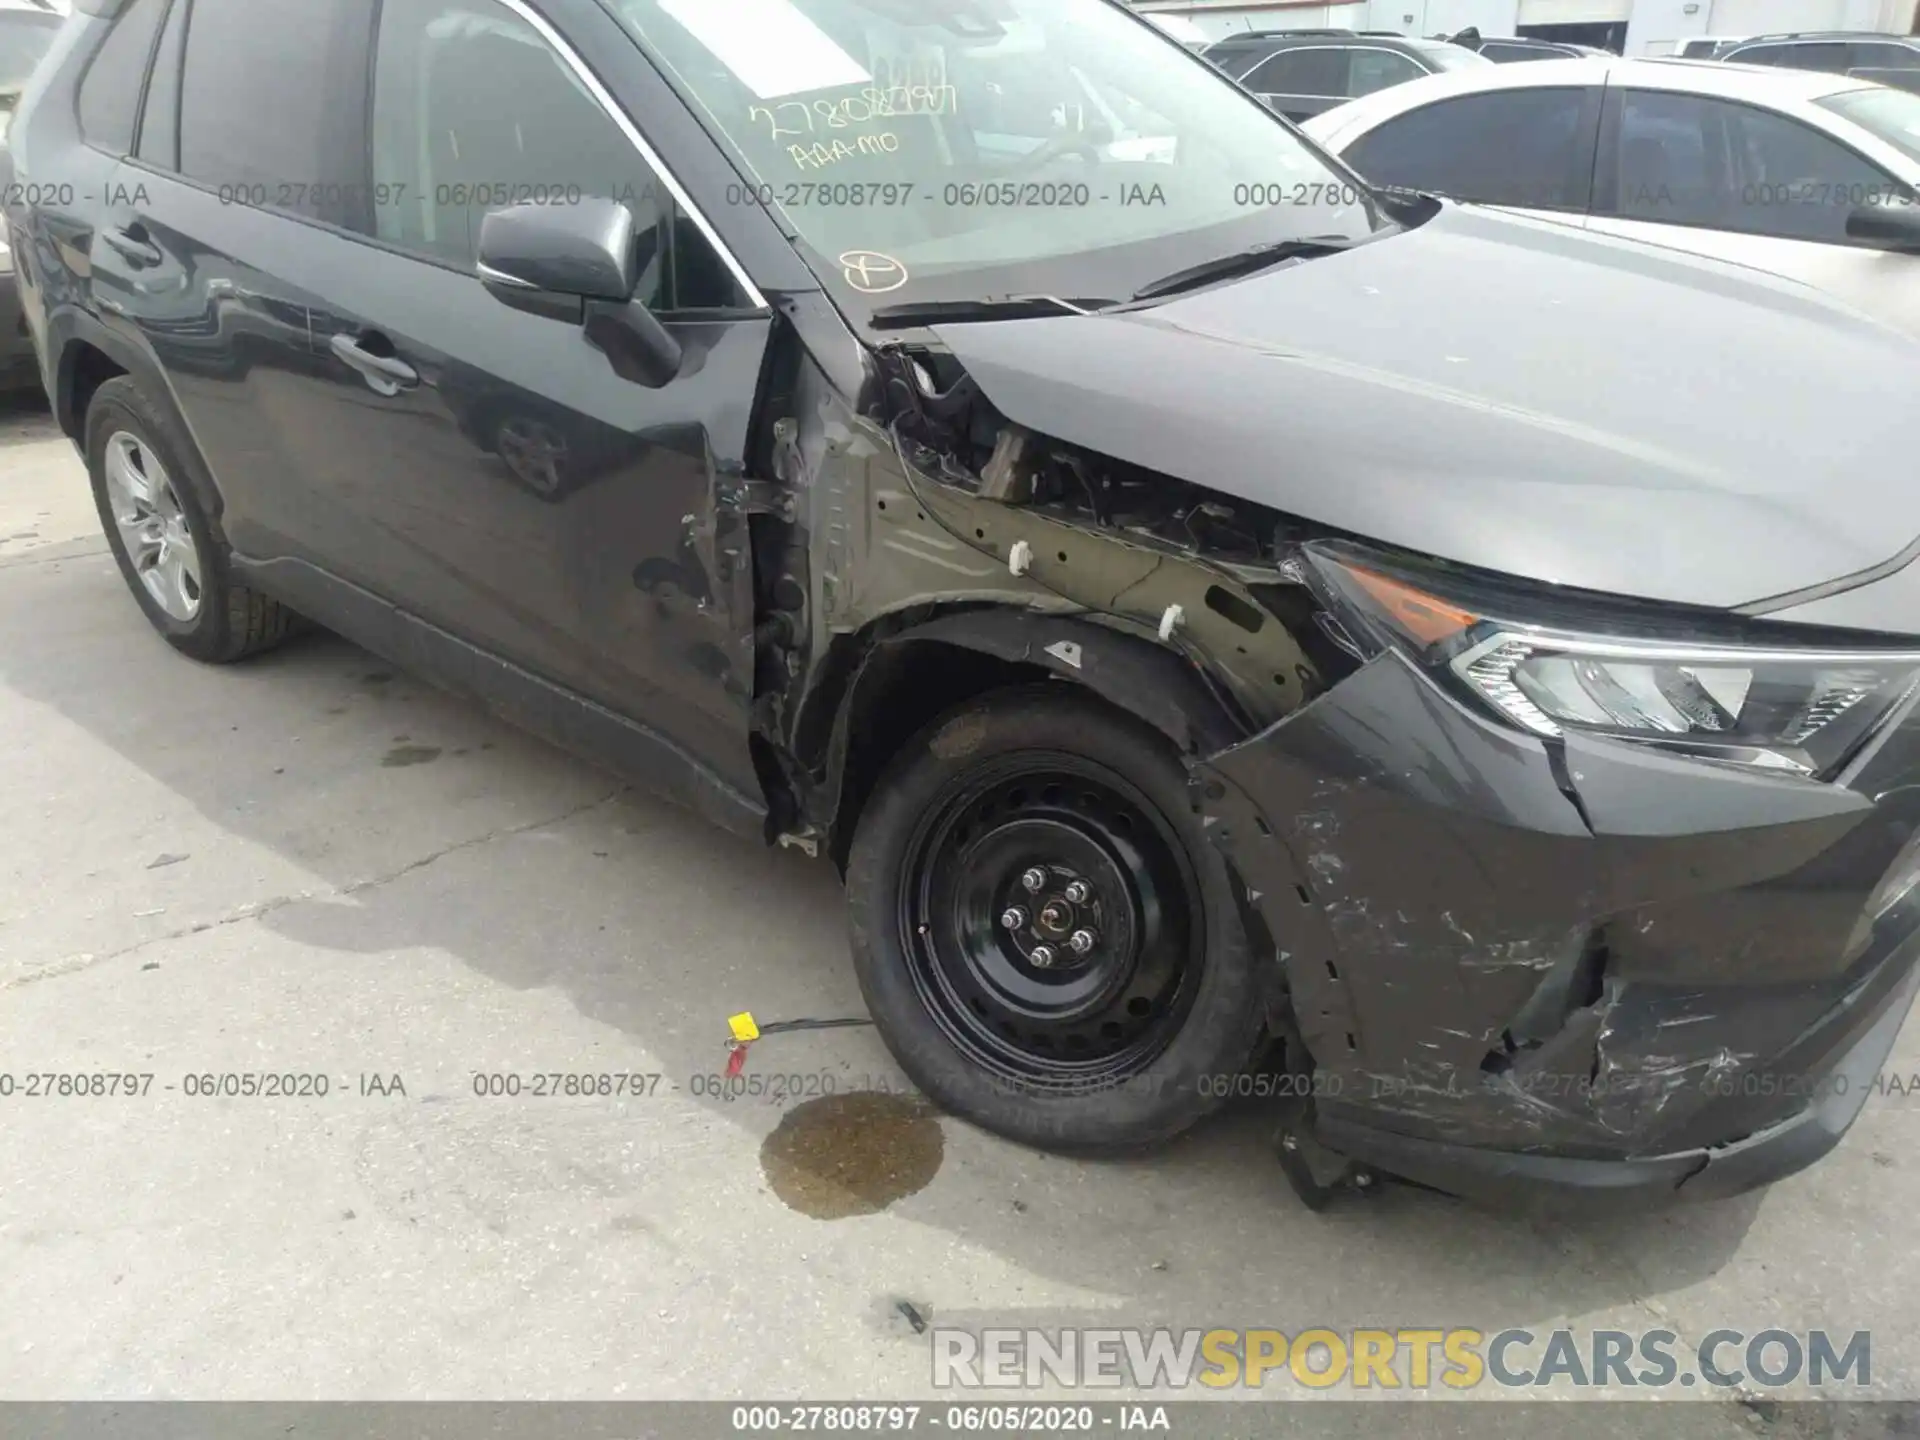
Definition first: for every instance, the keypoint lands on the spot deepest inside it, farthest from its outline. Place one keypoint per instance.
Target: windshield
(926, 150)
(1889, 115)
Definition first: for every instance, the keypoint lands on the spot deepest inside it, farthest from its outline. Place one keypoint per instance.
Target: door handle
(132, 245)
(384, 374)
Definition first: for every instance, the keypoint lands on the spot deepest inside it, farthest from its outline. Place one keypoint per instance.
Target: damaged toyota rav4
(1215, 616)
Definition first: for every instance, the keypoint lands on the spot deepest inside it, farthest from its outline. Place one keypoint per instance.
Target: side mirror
(1891, 222)
(579, 263)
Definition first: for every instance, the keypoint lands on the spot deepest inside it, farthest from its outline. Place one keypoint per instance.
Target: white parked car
(1811, 176)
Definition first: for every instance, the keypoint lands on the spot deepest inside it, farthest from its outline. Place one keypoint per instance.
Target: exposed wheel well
(903, 688)
(87, 370)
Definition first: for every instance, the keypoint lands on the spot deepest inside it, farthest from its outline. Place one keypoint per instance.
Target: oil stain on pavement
(402, 755)
(856, 1154)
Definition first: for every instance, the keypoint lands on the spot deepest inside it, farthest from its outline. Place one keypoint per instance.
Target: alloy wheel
(153, 527)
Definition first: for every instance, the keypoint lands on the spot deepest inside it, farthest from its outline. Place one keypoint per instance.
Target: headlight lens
(1803, 711)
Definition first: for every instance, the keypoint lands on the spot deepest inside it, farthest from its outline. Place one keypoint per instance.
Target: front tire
(1048, 943)
(172, 555)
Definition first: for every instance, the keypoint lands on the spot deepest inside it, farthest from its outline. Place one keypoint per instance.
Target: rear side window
(1378, 69)
(474, 111)
(1507, 147)
(272, 103)
(1884, 64)
(1827, 56)
(1321, 70)
(110, 90)
(1507, 52)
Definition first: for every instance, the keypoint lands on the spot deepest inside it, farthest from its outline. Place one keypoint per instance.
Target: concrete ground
(311, 864)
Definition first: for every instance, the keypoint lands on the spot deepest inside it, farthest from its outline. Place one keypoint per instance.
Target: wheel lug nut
(1013, 917)
(1082, 941)
(1034, 879)
(1079, 892)
(1042, 957)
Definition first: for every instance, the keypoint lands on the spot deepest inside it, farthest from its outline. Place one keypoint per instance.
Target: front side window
(474, 111)
(1697, 160)
(923, 150)
(110, 90)
(1507, 147)
(1378, 69)
(271, 103)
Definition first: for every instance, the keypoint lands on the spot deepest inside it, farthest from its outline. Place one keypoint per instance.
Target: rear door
(1721, 178)
(207, 222)
(1528, 149)
(497, 478)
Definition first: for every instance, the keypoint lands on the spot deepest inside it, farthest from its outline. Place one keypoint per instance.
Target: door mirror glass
(587, 249)
(1891, 222)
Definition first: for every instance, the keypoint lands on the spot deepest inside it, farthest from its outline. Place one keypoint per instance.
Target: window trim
(184, 8)
(146, 78)
(604, 98)
(1589, 123)
(1607, 169)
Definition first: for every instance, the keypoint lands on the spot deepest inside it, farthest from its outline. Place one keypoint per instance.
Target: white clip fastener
(1171, 619)
(1019, 558)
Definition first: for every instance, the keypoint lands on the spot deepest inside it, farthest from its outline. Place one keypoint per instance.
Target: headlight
(1803, 710)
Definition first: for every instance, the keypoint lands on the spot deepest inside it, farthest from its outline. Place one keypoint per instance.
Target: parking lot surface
(312, 866)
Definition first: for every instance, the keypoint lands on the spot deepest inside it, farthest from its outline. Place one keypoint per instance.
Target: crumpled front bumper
(1581, 966)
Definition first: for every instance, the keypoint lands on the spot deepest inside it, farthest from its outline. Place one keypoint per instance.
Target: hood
(1512, 394)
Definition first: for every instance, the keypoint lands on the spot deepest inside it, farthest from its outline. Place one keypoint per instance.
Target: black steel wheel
(1051, 922)
(1046, 940)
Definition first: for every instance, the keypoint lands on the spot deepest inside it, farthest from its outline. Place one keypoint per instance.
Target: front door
(484, 469)
(1720, 178)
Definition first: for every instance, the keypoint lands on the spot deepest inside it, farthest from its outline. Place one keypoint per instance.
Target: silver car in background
(1810, 176)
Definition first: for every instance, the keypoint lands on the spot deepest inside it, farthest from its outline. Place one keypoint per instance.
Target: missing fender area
(922, 517)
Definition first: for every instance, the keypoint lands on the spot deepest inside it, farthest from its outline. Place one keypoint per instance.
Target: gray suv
(1303, 72)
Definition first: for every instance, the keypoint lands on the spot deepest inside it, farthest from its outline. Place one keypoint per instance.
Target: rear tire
(1108, 1008)
(172, 554)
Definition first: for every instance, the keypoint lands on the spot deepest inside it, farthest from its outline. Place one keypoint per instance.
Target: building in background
(1632, 27)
